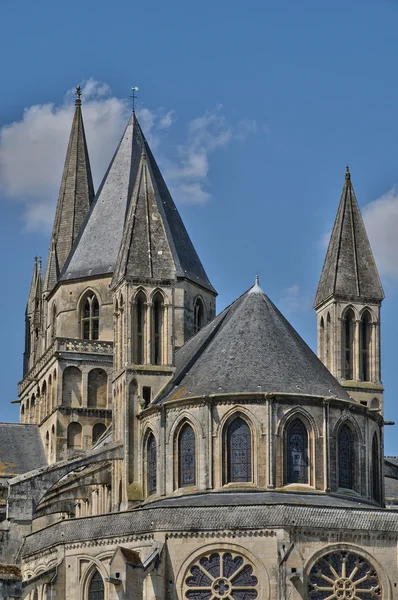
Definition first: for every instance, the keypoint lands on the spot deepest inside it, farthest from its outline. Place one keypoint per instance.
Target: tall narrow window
(90, 318)
(346, 458)
(139, 323)
(239, 452)
(53, 323)
(375, 474)
(157, 327)
(186, 457)
(151, 465)
(296, 452)
(198, 315)
(365, 346)
(75, 436)
(322, 353)
(96, 590)
(348, 343)
(328, 343)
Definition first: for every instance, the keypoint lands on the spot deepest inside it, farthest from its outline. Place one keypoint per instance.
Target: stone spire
(349, 270)
(75, 197)
(33, 315)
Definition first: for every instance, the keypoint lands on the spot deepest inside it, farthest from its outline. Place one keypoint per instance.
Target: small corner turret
(348, 302)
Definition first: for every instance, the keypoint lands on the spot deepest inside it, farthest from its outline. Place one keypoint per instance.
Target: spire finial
(78, 94)
(257, 280)
(134, 97)
(347, 173)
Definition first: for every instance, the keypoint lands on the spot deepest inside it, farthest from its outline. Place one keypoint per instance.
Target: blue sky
(253, 110)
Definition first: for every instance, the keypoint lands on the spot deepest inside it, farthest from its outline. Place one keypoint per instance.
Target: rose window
(221, 576)
(343, 576)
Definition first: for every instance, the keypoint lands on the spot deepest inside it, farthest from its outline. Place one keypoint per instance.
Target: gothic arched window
(74, 435)
(239, 452)
(96, 589)
(346, 458)
(157, 327)
(322, 353)
(151, 464)
(198, 315)
(348, 345)
(53, 323)
(296, 452)
(375, 474)
(365, 346)
(139, 319)
(90, 318)
(186, 457)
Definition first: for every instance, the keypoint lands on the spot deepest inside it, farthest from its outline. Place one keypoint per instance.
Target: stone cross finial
(347, 173)
(134, 97)
(78, 95)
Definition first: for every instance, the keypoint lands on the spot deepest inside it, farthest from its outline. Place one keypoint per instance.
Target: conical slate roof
(134, 228)
(52, 268)
(349, 270)
(250, 347)
(75, 196)
(36, 288)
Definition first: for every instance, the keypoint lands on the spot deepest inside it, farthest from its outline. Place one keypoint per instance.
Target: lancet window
(90, 318)
(186, 457)
(139, 320)
(157, 329)
(239, 452)
(346, 458)
(296, 452)
(375, 474)
(96, 590)
(365, 337)
(348, 345)
(151, 464)
(198, 315)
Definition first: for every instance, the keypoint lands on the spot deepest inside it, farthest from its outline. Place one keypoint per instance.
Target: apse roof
(250, 347)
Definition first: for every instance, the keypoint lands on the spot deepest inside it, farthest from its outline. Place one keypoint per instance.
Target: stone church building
(168, 452)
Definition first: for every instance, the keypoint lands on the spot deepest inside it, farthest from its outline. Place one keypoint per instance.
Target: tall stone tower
(162, 296)
(347, 304)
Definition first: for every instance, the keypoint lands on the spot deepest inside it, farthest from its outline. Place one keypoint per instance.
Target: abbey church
(169, 452)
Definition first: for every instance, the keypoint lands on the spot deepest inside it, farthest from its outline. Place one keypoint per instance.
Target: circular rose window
(221, 576)
(343, 576)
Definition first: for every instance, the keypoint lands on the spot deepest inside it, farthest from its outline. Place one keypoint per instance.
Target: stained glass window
(346, 458)
(186, 457)
(221, 575)
(375, 474)
(90, 318)
(239, 452)
(343, 575)
(151, 464)
(297, 453)
(96, 590)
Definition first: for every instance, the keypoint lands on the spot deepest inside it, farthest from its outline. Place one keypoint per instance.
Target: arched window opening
(157, 312)
(348, 345)
(98, 430)
(151, 465)
(71, 387)
(96, 590)
(74, 436)
(53, 323)
(186, 457)
(47, 441)
(346, 458)
(328, 343)
(365, 346)
(296, 452)
(44, 398)
(375, 474)
(90, 318)
(139, 321)
(239, 452)
(198, 315)
(97, 382)
(54, 395)
(322, 341)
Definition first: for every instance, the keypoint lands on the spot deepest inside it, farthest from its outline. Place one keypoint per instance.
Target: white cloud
(295, 300)
(32, 150)
(381, 221)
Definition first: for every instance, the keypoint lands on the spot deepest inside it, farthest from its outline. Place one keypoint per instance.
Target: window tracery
(239, 452)
(90, 318)
(186, 457)
(96, 590)
(221, 575)
(297, 453)
(343, 575)
(346, 458)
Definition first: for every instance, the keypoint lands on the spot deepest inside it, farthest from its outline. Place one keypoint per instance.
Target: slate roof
(349, 270)
(21, 449)
(250, 347)
(75, 196)
(134, 228)
(239, 517)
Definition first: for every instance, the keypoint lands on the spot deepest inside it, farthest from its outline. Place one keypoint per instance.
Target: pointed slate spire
(52, 268)
(134, 229)
(349, 270)
(75, 195)
(36, 288)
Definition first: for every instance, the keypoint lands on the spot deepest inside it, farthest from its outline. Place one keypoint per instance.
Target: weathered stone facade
(168, 453)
